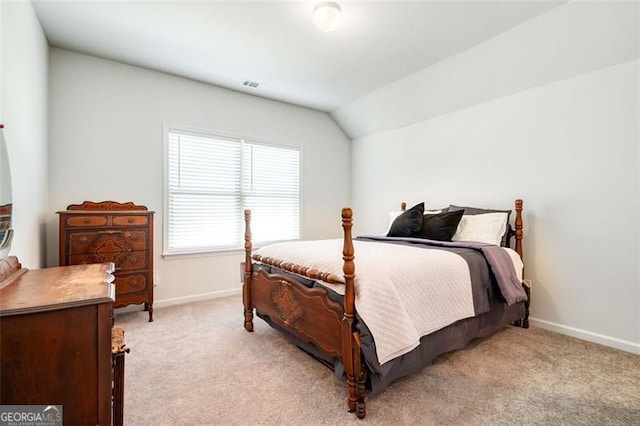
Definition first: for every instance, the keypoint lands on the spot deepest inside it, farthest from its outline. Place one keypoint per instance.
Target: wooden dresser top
(62, 287)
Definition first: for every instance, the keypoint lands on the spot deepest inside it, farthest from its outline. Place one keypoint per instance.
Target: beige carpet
(195, 365)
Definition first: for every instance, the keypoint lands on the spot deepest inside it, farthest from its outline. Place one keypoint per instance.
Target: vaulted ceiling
(275, 43)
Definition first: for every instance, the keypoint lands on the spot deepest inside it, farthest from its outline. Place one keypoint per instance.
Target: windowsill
(215, 253)
(197, 254)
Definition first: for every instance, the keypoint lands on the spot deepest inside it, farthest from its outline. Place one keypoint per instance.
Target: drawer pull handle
(133, 259)
(130, 220)
(83, 239)
(133, 283)
(109, 232)
(87, 221)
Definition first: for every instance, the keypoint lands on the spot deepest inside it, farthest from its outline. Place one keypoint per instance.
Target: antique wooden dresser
(108, 231)
(56, 340)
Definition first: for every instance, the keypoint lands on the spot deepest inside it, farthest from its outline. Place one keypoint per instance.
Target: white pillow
(484, 228)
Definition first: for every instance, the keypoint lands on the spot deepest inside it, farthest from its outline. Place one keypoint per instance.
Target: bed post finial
(347, 251)
(518, 224)
(403, 206)
(248, 272)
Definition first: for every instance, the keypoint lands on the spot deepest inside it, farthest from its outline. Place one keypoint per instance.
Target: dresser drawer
(131, 283)
(124, 260)
(84, 220)
(106, 241)
(130, 220)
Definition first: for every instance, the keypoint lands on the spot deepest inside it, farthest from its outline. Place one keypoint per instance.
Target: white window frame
(170, 127)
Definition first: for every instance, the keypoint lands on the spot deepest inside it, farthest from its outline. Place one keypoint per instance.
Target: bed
(375, 329)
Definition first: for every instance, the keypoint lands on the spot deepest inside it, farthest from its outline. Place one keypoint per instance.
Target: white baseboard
(196, 297)
(601, 339)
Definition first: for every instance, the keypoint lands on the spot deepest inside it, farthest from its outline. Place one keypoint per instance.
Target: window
(211, 180)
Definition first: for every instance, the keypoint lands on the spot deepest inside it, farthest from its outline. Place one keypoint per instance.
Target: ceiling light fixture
(326, 16)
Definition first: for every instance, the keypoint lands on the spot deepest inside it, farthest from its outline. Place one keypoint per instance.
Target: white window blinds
(211, 180)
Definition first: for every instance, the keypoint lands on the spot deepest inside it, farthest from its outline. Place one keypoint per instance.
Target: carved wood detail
(289, 307)
(306, 312)
(8, 266)
(106, 205)
(314, 274)
(360, 374)
(518, 231)
(350, 361)
(133, 283)
(10, 269)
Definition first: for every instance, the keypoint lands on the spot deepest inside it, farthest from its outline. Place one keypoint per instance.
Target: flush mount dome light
(326, 16)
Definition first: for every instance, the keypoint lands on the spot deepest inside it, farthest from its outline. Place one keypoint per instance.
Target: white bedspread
(402, 293)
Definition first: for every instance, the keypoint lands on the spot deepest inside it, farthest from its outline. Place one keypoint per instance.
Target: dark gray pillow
(475, 210)
(440, 226)
(408, 223)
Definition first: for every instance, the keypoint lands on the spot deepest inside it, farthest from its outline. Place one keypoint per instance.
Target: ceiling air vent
(253, 84)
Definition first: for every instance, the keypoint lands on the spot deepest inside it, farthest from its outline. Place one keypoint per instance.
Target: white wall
(107, 144)
(568, 40)
(23, 94)
(568, 146)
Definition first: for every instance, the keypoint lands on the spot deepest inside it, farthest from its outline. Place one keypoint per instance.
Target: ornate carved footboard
(308, 313)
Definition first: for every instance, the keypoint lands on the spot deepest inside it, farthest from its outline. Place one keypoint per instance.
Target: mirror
(6, 205)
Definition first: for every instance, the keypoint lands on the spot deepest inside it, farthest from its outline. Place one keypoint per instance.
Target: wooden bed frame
(311, 316)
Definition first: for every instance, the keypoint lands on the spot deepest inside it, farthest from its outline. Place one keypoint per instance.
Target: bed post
(518, 224)
(248, 273)
(524, 322)
(349, 358)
